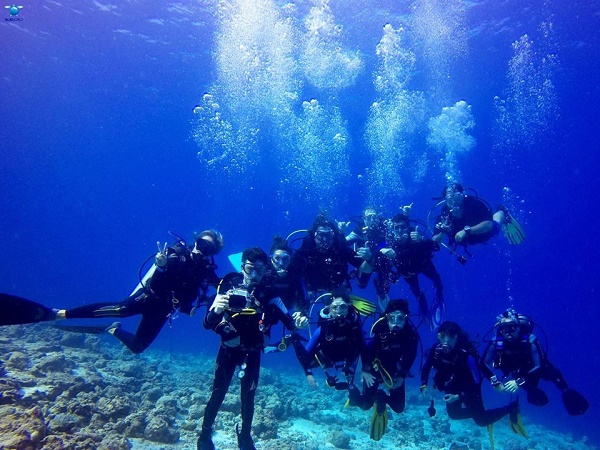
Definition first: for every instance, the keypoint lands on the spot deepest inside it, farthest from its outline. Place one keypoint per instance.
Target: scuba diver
(323, 259)
(456, 363)
(468, 220)
(517, 353)
(387, 359)
(284, 277)
(370, 231)
(242, 314)
(413, 255)
(336, 344)
(172, 285)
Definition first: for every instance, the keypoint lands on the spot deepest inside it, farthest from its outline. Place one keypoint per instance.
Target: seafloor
(61, 390)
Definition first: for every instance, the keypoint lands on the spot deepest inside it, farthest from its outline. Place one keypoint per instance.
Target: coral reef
(59, 391)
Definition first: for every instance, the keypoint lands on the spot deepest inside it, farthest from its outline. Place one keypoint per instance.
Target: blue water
(108, 141)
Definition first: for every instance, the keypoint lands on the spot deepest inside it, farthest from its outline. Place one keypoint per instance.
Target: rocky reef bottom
(62, 390)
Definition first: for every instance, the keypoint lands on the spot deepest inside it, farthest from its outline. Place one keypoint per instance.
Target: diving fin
(437, 313)
(512, 230)
(235, 260)
(379, 421)
(574, 402)
(515, 421)
(363, 306)
(537, 397)
(99, 329)
(424, 309)
(490, 429)
(382, 302)
(17, 311)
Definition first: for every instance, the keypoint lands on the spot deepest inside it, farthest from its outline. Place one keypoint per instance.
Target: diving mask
(324, 237)
(396, 319)
(281, 260)
(338, 309)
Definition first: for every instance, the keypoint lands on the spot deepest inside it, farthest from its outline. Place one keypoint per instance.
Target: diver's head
(454, 196)
(398, 229)
(324, 232)
(448, 334)
(370, 217)
(339, 307)
(254, 264)
(509, 325)
(281, 255)
(396, 313)
(324, 236)
(208, 243)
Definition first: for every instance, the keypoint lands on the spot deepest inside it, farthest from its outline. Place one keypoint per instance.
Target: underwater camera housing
(238, 299)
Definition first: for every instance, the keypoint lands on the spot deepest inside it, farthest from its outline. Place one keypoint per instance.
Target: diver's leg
(415, 288)
(397, 398)
(224, 369)
(131, 306)
(550, 373)
(482, 417)
(382, 288)
(248, 387)
(152, 322)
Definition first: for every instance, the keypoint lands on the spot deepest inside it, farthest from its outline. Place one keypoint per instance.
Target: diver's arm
(481, 228)
(487, 362)
(426, 369)
(536, 355)
(411, 355)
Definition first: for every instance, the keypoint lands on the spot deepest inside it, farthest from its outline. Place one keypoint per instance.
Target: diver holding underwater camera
(243, 317)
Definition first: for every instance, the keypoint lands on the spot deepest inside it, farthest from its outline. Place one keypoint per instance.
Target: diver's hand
(161, 258)
(368, 378)
(415, 236)
(460, 236)
(496, 384)
(451, 398)
(220, 303)
(343, 226)
(406, 209)
(300, 321)
(312, 381)
(511, 386)
(388, 252)
(424, 391)
(364, 253)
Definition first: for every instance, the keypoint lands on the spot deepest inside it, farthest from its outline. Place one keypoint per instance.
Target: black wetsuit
(372, 236)
(523, 358)
(244, 334)
(388, 356)
(288, 288)
(457, 372)
(325, 269)
(475, 211)
(412, 258)
(174, 288)
(337, 343)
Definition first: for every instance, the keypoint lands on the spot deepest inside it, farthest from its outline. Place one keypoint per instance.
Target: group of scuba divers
(312, 269)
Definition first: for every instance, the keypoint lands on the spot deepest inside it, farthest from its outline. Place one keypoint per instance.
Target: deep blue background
(97, 163)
